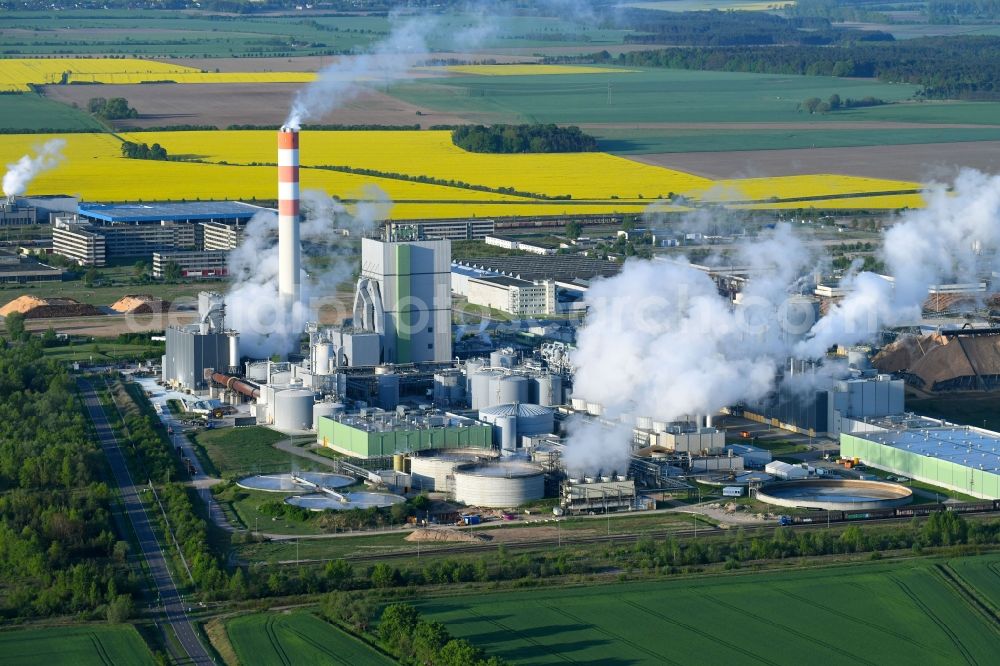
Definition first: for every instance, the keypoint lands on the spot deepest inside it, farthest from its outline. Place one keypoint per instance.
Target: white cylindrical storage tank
(503, 359)
(234, 350)
(548, 389)
(329, 409)
(481, 396)
(293, 409)
(498, 486)
(322, 358)
(531, 419)
(472, 366)
(578, 404)
(388, 390)
(434, 472)
(505, 389)
(507, 427)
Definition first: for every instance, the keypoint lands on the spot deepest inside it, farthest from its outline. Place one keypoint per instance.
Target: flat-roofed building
(195, 264)
(511, 295)
(471, 229)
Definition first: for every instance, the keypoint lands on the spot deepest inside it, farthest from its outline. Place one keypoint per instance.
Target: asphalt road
(170, 599)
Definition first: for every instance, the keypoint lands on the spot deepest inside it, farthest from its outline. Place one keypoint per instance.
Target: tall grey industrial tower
(404, 295)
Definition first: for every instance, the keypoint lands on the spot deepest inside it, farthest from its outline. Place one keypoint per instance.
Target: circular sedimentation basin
(359, 500)
(284, 483)
(835, 494)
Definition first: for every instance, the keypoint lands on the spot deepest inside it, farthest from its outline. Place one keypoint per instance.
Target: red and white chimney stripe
(288, 216)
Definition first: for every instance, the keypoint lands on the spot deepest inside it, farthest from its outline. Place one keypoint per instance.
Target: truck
(471, 519)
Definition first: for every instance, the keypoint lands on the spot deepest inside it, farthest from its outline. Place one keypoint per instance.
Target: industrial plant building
(15, 269)
(376, 434)
(524, 246)
(404, 295)
(419, 230)
(205, 345)
(506, 294)
(97, 233)
(959, 458)
(192, 264)
(818, 413)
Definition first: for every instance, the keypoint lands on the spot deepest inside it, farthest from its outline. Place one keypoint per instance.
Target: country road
(169, 597)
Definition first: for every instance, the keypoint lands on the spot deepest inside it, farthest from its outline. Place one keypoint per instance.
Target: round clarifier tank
(499, 485)
(293, 409)
(835, 494)
(287, 483)
(360, 500)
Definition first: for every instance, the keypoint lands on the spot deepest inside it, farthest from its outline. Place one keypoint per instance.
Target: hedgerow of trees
(536, 138)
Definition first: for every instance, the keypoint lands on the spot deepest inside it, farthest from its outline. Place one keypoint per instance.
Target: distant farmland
(875, 614)
(76, 646)
(297, 638)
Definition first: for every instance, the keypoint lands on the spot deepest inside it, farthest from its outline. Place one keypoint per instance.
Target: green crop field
(875, 614)
(297, 638)
(74, 646)
(643, 96)
(204, 35)
(239, 450)
(623, 141)
(99, 351)
(30, 112)
(982, 574)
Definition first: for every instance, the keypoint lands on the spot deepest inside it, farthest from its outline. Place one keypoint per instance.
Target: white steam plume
(20, 173)
(596, 447)
(659, 340)
(955, 239)
(252, 303)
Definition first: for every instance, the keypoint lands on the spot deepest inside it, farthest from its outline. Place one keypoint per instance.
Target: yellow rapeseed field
(526, 70)
(431, 153)
(883, 202)
(17, 73)
(599, 183)
(789, 187)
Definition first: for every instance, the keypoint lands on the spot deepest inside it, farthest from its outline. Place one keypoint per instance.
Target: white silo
(293, 409)
(472, 366)
(506, 389)
(547, 389)
(322, 358)
(328, 409)
(482, 380)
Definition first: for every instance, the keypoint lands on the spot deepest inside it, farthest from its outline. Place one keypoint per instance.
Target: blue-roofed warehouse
(189, 211)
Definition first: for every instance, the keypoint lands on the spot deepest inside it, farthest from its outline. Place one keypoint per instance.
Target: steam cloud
(20, 173)
(661, 342)
(252, 303)
(389, 61)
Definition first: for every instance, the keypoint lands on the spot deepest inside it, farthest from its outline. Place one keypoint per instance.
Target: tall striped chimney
(288, 216)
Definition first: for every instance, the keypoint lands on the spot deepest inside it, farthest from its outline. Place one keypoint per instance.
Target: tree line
(537, 138)
(966, 67)
(836, 103)
(58, 550)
